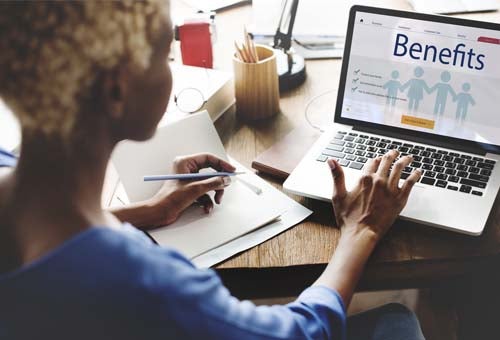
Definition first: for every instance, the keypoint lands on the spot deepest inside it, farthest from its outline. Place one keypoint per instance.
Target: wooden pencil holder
(256, 86)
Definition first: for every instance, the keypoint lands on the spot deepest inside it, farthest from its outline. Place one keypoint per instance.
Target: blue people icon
(416, 89)
(442, 93)
(392, 87)
(463, 100)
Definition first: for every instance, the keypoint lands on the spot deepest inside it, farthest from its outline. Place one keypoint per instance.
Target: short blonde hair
(51, 53)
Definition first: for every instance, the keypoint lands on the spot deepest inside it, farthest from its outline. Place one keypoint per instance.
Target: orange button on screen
(419, 122)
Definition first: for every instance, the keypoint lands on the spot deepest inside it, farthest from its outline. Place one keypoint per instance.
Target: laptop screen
(422, 75)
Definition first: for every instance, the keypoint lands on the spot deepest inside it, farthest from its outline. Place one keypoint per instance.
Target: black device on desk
(291, 66)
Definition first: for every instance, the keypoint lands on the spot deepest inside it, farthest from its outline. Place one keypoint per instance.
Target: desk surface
(410, 255)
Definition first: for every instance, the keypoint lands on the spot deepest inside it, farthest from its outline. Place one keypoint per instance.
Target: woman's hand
(377, 200)
(364, 215)
(175, 196)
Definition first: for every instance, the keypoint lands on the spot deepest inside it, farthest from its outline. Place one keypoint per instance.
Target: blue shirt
(118, 284)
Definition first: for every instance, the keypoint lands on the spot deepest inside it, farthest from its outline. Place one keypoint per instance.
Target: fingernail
(331, 163)
(226, 180)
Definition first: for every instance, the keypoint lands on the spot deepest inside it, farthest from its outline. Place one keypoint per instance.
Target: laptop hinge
(463, 148)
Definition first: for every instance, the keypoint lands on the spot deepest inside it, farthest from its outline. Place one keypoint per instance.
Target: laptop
(425, 85)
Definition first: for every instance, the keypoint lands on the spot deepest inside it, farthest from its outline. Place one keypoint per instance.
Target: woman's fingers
(409, 183)
(339, 190)
(218, 196)
(206, 202)
(208, 160)
(372, 165)
(397, 169)
(386, 162)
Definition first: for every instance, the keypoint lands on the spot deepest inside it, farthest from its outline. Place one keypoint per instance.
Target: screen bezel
(397, 130)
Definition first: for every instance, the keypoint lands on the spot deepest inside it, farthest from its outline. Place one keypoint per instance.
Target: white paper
(293, 214)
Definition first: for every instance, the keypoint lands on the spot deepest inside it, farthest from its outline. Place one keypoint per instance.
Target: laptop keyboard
(440, 168)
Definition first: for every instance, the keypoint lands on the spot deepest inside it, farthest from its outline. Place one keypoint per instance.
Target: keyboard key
(339, 136)
(360, 140)
(465, 188)
(342, 132)
(425, 154)
(430, 174)
(427, 180)
(438, 162)
(436, 156)
(461, 167)
(452, 187)
(361, 160)
(353, 134)
(414, 152)
(447, 158)
(450, 172)
(430, 149)
(360, 147)
(375, 138)
(381, 145)
(441, 184)
(485, 165)
(337, 142)
(416, 165)
(408, 145)
(442, 152)
(349, 138)
(397, 143)
(442, 177)
(427, 160)
(454, 154)
(392, 147)
(459, 160)
(408, 169)
(332, 153)
(463, 174)
(335, 147)
(473, 170)
(427, 166)
(479, 159)
(382, 151)
(360, 153)
(364, 136)
(349, 151)
(350, 157)
(370, 155)
(404, 175)
(350, 145)
(450, 165)
(489, 161)
(465, 156)
(419, 147)
(322, 158)
(355, 165)
(404, 149)
(438, 169)
(453, 179)
(371, 149)
(386, 140)
(471, 163)
(473, 183)
(477, 193)
(485, 172)
(480, 178)
(344, 162)
(371, 142)
(417, 158)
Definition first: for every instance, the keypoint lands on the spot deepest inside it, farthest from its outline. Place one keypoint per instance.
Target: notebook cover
(281, 158)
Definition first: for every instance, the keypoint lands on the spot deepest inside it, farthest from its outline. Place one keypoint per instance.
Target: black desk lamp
(291, 66)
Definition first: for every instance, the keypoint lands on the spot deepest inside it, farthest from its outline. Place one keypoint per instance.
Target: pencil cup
(256, 86)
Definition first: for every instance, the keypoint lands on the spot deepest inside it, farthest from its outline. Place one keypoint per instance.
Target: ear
(115, 89)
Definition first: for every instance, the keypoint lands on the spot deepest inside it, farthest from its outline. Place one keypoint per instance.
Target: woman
(81, 76)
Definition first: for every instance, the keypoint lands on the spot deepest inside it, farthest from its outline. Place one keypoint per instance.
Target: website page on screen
(424, 76)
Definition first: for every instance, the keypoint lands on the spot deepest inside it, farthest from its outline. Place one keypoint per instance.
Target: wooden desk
(409, 256)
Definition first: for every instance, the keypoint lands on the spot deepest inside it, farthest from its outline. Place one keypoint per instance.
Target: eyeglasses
(190, 100)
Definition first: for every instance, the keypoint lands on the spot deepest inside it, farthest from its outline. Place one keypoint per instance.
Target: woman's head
(67, 65)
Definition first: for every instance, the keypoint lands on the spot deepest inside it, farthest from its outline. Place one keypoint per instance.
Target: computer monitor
(422, 75)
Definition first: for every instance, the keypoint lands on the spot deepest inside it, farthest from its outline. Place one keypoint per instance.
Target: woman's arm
(364, 215)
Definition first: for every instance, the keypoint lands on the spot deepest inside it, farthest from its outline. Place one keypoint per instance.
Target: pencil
(197, 176)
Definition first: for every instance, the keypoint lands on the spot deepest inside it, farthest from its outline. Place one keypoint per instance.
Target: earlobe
(114, 93)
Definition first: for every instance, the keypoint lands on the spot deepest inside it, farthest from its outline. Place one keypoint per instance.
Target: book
(216, 87)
